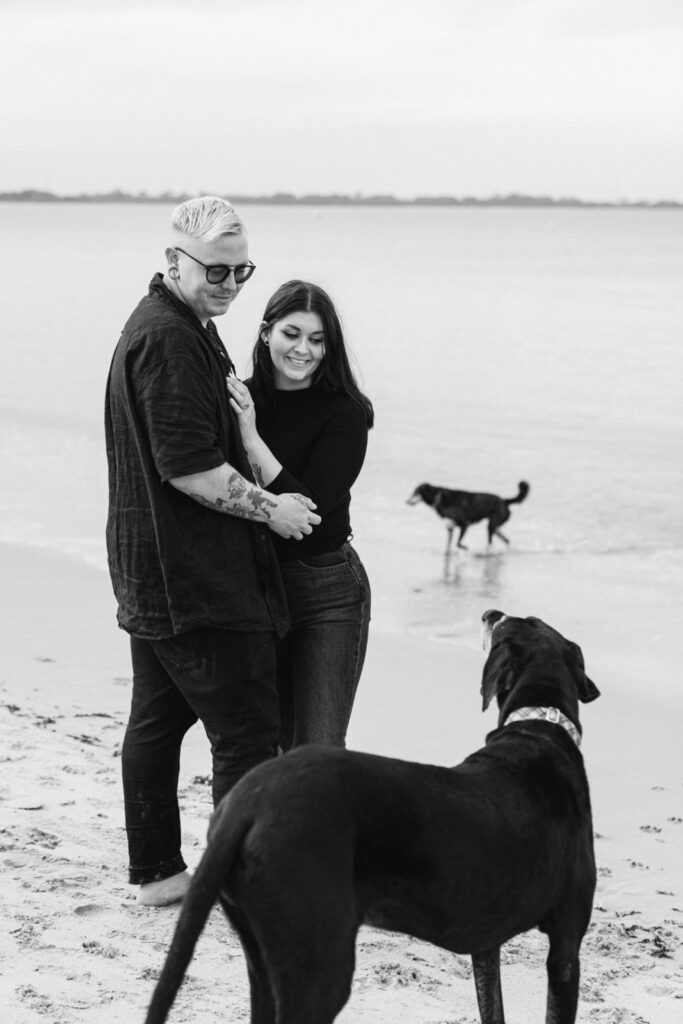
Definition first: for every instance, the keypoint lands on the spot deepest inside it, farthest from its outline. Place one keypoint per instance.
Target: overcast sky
(458, 97)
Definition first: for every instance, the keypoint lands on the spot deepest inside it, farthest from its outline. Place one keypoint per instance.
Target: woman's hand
(264, 465)
(242, 403)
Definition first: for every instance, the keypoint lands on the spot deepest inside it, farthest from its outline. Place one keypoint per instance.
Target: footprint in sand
(663, 942)
(59, 881)
(25, 804)
(15, 862)
(390, 974)
(93, 946)
(665, 989)
(94, 741)
(592, 991)
(36, 837)
(91, 910)
(36, 1001)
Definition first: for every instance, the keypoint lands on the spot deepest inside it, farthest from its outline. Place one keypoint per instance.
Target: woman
(306, 431)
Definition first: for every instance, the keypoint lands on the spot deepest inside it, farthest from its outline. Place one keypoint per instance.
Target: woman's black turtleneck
(320, 438)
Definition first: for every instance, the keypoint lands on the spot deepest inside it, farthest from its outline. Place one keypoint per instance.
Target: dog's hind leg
(494, 526)
(565, 930)
(463, 531)
(262, 1002)
(306, 945)
(563, 982)
(486, 967)
(314, 989)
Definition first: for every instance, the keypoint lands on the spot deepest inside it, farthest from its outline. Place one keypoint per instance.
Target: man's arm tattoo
(244, 500)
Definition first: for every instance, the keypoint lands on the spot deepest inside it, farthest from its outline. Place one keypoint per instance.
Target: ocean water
(497, 345)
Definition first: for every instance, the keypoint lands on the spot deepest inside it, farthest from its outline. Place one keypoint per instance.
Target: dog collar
(553, 715)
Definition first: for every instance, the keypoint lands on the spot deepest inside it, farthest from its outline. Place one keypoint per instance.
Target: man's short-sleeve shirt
(175, 563)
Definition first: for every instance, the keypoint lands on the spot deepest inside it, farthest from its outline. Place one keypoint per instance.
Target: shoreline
(510, 199)
(78, 948)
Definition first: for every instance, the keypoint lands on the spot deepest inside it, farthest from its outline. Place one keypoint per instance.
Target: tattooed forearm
(259, 510)
(224, 489)
(245, 494)
(239, 498)
(237, 486)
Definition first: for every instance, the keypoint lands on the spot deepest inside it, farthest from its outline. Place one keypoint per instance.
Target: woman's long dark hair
(334, 373)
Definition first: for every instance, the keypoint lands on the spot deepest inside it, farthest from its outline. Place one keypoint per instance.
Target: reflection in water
(480, 575)
(448, 607)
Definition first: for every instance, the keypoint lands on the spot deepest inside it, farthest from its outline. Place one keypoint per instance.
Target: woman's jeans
(321, 658)
(226, 679)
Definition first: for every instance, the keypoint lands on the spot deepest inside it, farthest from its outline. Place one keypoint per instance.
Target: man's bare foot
(166, 892)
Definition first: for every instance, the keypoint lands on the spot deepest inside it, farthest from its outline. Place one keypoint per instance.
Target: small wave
(577, 548)
(88, 551)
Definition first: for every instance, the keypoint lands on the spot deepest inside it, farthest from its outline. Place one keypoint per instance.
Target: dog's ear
(587, 689)
(499, 672)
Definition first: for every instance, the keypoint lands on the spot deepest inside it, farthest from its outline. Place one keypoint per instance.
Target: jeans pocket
(180, 653)
(358, 570)
(329, 560)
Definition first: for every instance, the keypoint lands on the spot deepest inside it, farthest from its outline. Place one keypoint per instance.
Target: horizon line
(338, 199)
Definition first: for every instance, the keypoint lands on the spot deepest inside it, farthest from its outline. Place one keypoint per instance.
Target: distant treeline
(333, 199)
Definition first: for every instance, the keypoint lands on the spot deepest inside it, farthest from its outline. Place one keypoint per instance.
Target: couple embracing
(228, 530)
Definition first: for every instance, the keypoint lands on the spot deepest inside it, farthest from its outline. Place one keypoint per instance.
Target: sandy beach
(75, 946)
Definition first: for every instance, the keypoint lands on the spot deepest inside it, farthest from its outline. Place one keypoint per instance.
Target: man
(188, 541)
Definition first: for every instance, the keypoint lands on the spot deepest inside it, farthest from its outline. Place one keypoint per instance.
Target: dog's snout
(492, 616)
(489, 620)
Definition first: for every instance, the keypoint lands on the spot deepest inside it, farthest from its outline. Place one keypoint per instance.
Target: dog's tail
(224, 845)
(521, 494)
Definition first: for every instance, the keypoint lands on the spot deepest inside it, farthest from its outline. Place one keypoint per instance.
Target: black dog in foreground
(462, 508)
(309, 846)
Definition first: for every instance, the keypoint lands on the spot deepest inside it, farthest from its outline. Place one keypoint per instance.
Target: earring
(173, 273)
(266, 343)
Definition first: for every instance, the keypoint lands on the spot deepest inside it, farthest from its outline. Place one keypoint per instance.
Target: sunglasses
(216, 273)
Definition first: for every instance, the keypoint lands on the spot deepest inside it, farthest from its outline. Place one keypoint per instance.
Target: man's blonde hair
(207, 217)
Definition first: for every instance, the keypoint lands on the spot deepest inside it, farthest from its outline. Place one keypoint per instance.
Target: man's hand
(293, 516)
(225, 490)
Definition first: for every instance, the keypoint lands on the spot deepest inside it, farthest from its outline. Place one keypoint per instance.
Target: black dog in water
(462, 508)
(309, 846)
